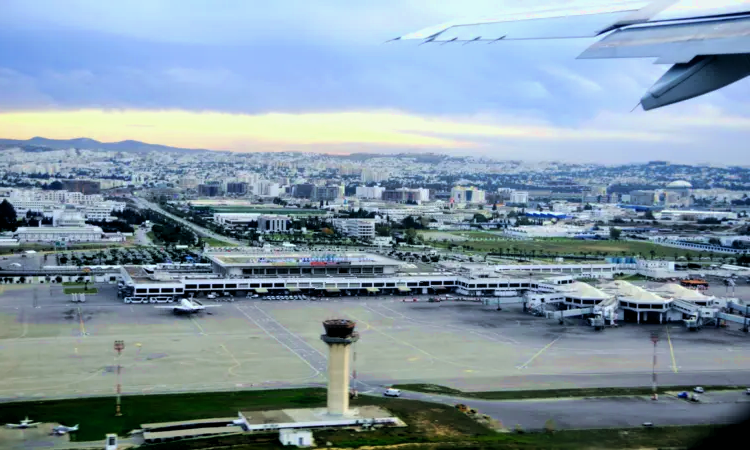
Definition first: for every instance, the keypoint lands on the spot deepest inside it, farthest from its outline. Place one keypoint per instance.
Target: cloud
(292, 62)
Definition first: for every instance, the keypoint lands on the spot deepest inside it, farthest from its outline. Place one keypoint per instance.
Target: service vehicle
(390, 392)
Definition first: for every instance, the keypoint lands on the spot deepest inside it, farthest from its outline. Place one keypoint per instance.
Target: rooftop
(583, 290)
(676, 291)
(300, 258)
(625, 289)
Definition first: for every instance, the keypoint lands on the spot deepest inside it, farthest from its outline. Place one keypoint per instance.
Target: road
(141, 238)
(199, 230)
(715, 408)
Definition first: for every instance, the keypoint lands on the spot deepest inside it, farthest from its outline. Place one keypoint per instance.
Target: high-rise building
(370, 192)
(402, 195)
(645, 198)
(326, 193)
(303, 190)
(237, 188)
(209, 190)
(461, 194)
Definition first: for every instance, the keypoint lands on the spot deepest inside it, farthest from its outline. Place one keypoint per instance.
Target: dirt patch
(429, 427)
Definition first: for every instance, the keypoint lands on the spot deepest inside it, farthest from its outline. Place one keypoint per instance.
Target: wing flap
(675, 43)
(543, 24)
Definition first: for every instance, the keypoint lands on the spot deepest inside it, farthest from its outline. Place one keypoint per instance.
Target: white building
(298, 438)
(68, 217)
(236, 219)
(461, 194)
(358, 228)
(265, 188)
(93, 207)
(273, 224)
(370, 192)
(519, 197)
(86, 233)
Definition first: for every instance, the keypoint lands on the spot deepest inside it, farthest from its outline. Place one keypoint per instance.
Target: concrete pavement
(716, 408)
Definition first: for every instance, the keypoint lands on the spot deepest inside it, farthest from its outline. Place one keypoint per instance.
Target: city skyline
(292, 77)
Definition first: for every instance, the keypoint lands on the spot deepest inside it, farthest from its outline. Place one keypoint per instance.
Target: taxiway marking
(536, 355)
(671, 352)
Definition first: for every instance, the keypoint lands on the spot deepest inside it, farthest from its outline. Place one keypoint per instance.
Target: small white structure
(110, 443)
(298, 438)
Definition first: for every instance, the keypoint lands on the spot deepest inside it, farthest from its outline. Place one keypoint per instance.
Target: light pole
(119, 347)
(654, 339)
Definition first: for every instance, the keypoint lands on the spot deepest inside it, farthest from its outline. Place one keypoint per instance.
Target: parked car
(698, 390)
(683, 395)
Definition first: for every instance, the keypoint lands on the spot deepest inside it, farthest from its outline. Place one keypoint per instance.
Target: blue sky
(319, 76)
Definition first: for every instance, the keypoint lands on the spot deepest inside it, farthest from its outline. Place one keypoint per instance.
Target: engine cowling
(701, 75)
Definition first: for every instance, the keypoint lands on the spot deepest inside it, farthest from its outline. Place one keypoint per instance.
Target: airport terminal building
(243, 271)
(550, 290)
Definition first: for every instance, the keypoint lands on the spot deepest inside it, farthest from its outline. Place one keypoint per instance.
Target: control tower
(339, 336)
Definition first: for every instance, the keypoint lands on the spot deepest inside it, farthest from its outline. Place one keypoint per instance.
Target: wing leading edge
(707, 49)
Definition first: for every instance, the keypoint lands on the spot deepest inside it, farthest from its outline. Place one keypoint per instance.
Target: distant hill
(37, 144)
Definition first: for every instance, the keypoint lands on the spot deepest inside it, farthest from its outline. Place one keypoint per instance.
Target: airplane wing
(709, 45)
(539, 24)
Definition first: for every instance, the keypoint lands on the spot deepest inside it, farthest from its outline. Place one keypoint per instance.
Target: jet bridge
(744, 309)
(577, 312)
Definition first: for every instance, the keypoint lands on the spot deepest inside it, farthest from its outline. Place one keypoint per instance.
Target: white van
(390, 392)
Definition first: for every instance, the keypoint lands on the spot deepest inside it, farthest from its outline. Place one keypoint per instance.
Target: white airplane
(25, 423)
(62, 429)
(707, 41)
(186, 306)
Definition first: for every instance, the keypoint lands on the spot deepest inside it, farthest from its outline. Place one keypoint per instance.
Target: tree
(714, 241)
(494, 207)
(8, 219)
(652, 252)
(614, 233)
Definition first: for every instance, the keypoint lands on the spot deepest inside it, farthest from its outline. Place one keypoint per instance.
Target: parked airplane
(25, 423)
(186, 306)
(62, 429)
(708, 41)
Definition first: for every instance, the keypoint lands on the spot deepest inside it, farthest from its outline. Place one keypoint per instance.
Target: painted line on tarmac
(317, 372)
(237, 364)
(526, 364)
(671, 351)
(432, 358)
(81, 327)
(195, 322)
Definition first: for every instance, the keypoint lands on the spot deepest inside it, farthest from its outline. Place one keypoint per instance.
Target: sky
(244, 75)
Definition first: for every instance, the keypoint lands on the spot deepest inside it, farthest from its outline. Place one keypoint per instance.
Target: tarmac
(55, 349)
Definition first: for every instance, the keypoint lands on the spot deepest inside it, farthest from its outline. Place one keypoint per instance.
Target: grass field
(440, 426)
(79, 290)
(554, 393)
(217, 243)
(562, 247)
